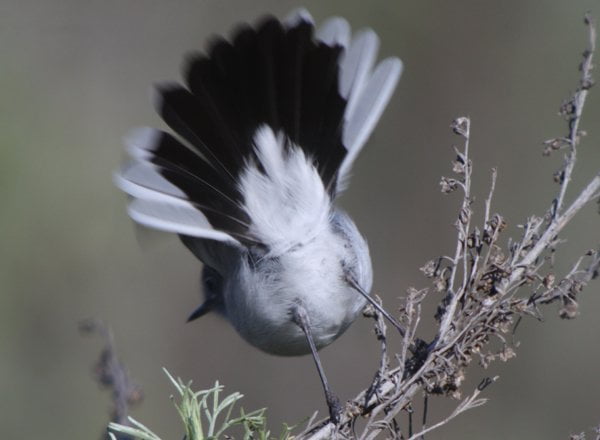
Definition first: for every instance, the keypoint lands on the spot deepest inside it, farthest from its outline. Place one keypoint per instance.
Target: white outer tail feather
(175, 218)
(296, 16)
(366, 88)
(157, 203)
(374, 96)
(334, 30)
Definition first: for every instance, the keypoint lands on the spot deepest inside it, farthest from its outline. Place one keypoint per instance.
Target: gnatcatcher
(266, 130)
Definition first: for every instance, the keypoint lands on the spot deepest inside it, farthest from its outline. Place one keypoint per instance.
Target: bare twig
(573, 109)
(461, 126)
(471, 402)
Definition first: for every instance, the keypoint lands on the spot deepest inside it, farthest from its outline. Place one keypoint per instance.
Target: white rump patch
(286, 200)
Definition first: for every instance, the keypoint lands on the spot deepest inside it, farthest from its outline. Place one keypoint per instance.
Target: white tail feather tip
(140, 141)
(296, 16)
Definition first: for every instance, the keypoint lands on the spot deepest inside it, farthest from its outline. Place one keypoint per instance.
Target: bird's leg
(300, 317)
(354, 284)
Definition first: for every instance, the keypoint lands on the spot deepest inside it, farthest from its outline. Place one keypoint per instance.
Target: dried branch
(110, 373)
(486, 288)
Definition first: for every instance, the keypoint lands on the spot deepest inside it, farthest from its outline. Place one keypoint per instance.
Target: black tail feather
(274, 75)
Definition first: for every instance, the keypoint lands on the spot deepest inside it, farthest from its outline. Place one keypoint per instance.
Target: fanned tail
(317, 92)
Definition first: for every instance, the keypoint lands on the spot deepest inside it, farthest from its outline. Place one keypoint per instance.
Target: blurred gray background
(76, 76)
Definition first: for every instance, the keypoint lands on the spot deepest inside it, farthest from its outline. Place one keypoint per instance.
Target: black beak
(204, 308)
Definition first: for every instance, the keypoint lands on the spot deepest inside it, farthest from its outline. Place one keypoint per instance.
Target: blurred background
(76, 76)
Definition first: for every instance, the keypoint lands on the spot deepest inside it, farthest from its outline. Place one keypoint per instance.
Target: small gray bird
(265, 132)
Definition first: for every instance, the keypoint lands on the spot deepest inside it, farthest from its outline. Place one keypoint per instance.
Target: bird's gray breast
(261, 296)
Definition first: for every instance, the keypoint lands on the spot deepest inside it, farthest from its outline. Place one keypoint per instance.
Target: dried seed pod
(507, 353)
(567, 108)
(464, 215)
(576, 287)
(569, 310)
(448, 185)
(559, 176)
(497, 222)
(556, 143)
(429, 269)
(440, 284)
(460, 126)
(549, 281)
(458, 166)
(369, 311)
